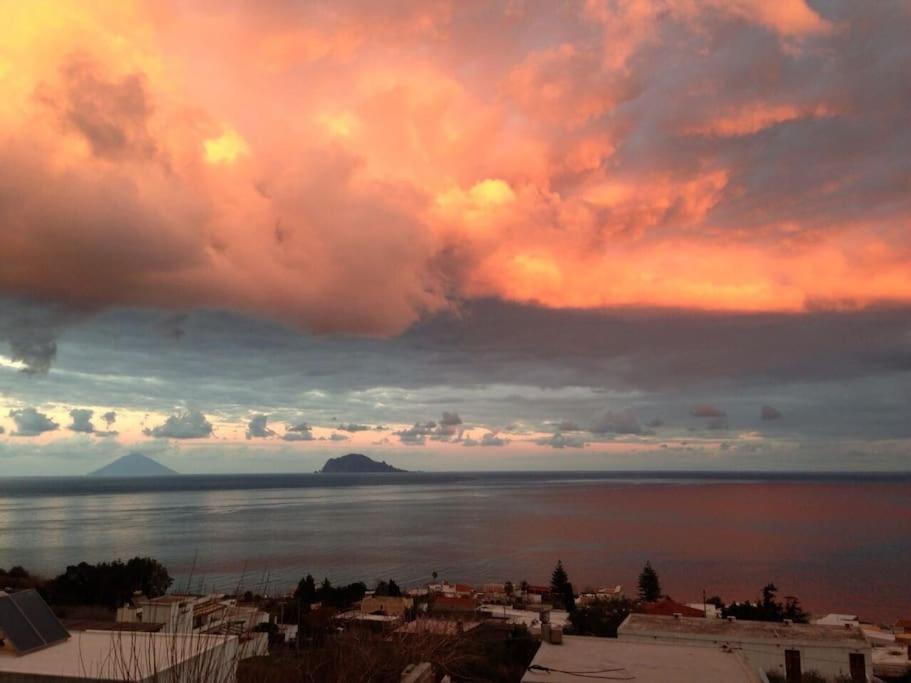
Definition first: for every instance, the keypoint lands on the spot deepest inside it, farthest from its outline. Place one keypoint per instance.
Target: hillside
(356, 463)
(133, 465)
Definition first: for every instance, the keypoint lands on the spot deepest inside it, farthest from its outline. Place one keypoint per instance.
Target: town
(119, 621)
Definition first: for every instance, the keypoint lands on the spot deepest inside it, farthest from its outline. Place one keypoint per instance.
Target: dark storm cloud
(82, 421)
(417, 434)
(559, 440)
(30, 422)
(448, 428)
(623, 422)
(768, 413)
(488, 439)
(109, 418)
(707, 410)
(300, 431)
(31, 329)
(257, 428)
(111, 114)
(353, 427)
(717, 424)
(187, 424)
(512, 364)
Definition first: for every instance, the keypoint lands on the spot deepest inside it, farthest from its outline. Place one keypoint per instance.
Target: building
(580, 658)
(707, 609)
(437, 627)
(208, 614)
(176, 612)
(457, 606)
(387, 604)
(376, 623)
(783, 648)
(35, 646)
(668, 608)
(125, 656)
(840, 620)
(601, 595)
(531, 619)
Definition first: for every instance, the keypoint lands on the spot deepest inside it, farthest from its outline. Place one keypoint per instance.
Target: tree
(569, 598)
(390, 589)
(768, 608)
(558, 580)
(434, 575)
(649, 585)
(508, 588)
(306, 590)
(109, 583)
(600, 619)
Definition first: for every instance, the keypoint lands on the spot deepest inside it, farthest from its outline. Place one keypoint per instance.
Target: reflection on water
(838, 544)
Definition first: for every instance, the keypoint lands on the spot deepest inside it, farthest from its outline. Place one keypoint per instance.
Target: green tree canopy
(649, 585)
(558, 580)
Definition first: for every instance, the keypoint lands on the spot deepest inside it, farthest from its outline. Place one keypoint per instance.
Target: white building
(531, 619)
(600, 595)
(580, 658)
(125, 656)
(783, 648)
(209, 614)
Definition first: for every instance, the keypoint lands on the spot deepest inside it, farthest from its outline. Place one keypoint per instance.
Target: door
(792, 666)
(858, 667)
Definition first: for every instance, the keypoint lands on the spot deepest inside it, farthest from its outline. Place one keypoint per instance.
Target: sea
(839, 542)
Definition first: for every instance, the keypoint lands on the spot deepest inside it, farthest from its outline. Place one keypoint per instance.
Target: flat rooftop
(116, 656)
(722, 629)
(581, 658)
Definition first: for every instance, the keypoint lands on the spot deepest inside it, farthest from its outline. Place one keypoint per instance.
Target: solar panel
(16, 628)
(40, 616)
(28, 623)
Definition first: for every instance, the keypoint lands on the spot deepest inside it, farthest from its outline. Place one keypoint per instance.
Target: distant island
(133, 465)
(354, 463)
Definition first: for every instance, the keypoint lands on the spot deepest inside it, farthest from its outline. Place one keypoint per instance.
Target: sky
(456, 235)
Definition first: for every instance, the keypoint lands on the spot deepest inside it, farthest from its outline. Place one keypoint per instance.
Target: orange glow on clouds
(348, 167)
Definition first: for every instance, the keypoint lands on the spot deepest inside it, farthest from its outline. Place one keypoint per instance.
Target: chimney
(556, 635)
(677, 615)
(732, 619)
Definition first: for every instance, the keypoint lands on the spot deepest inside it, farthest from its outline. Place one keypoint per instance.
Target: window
(792, 666)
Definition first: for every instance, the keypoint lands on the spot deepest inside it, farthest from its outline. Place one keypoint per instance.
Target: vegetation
(18, 578)
(388, 588)
(329, 595)
(561, 589)
(108, 583)
(361, 657)
(649, 585)
(600, 619)
(767, 608)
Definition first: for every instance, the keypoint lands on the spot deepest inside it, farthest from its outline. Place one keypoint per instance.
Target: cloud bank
(747, 156)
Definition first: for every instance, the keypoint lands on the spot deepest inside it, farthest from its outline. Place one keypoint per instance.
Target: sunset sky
(244, 236)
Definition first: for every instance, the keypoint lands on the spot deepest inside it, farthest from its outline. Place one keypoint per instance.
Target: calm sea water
(840, 543)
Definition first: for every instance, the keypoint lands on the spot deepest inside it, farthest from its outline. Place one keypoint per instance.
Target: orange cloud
(348, 167)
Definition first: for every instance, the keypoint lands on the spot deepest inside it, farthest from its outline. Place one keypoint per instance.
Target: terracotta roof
(539, 590)
(464, 588)
(668, 608)
(460, 604)
(903, 623)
